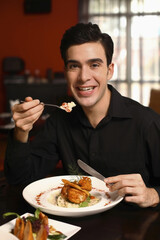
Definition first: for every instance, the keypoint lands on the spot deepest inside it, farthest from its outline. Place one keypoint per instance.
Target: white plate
(7, 236)
(37, 194)
(67, 229)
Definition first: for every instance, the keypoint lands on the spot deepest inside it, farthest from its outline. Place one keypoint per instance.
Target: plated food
(67, 229)
(75, 194)
(42, 194)
(67, 106)
(34, 227)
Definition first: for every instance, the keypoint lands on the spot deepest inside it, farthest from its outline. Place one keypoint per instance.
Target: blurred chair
(155, 100)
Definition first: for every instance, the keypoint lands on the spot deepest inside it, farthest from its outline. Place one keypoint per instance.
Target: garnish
(10, 214)
(85, 203)
(56, 237)
(37, 212)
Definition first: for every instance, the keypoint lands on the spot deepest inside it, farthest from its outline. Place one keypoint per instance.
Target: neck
(96, 113)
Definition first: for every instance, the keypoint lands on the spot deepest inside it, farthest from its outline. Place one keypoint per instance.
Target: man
(115, 135)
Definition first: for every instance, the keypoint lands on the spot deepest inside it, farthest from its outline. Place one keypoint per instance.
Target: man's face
(87, 73)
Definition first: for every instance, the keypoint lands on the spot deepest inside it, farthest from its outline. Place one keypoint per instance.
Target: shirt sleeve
(27, 162)
(153, 147)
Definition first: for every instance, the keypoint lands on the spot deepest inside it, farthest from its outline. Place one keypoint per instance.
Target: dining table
(122, 222)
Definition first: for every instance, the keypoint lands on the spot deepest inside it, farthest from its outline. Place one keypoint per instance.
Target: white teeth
(85, 89)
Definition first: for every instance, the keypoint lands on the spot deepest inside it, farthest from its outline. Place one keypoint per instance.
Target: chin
(87, 105)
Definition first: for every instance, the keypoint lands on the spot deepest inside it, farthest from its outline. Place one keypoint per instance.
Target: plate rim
(9, 235)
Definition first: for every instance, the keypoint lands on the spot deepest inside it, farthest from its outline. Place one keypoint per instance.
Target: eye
(72, 66)
(95, 65)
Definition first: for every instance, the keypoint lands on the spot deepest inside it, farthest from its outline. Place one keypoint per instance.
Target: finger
(31, 118)
(28, 99)
(122, 184)
(25, 106)
(136, 199)
(29, 112)
(29, 104)
(130, 191)
(123, 177)
(147, 198)
(27, 126)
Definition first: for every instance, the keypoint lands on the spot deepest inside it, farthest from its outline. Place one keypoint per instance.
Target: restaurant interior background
(30, 59)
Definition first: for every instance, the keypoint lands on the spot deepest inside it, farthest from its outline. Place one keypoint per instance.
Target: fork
(51, 105)
(46, 104)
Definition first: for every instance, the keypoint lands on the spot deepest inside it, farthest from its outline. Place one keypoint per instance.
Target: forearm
(23, 167)
(23, 164)
(20, 135)
(16, 160)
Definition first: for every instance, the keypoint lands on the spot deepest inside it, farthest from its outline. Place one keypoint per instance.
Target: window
(134, 26)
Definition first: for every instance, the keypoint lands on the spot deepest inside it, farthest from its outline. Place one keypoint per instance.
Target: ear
(110, 71)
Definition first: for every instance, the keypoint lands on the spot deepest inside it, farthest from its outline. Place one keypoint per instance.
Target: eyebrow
(71, 61)
(95, 60)
(89, 60)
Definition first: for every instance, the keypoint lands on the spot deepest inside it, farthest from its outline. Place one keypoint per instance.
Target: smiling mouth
(85, 88)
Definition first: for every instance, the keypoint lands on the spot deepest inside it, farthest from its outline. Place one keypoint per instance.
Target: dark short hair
(83, 33)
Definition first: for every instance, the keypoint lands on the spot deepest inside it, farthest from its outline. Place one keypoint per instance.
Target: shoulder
(126, 107)
(140, 112)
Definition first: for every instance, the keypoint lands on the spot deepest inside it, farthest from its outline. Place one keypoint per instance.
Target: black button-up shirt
(126, 141)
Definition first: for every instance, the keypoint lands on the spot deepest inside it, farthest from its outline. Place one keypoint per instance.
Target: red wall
(35, 38)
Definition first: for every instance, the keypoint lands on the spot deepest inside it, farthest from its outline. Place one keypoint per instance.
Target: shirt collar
(117, 107)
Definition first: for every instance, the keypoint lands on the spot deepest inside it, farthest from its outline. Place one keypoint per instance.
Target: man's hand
(24, 116)
(134, 190)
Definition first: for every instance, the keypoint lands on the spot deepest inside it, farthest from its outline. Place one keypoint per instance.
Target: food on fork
(34, 227)
(67, 106)
(76, 194)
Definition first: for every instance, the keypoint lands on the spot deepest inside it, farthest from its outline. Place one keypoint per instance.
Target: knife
(90, 170)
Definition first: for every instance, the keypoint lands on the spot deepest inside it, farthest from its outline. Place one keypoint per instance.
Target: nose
(84, 74)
